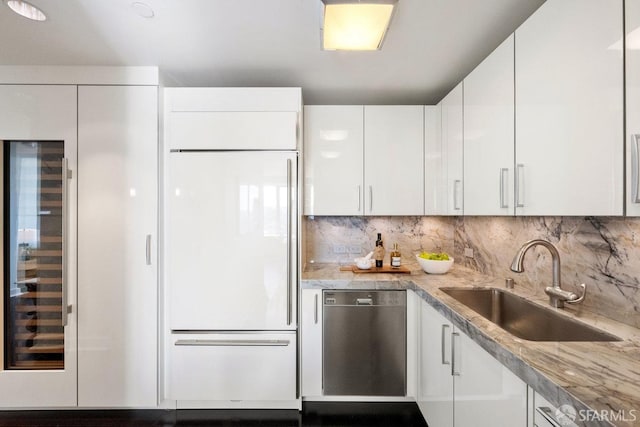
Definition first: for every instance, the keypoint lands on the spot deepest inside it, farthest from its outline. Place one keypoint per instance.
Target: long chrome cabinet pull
(288, 242)
(519, 186)
(504, 187)
(549, 415)
(456, 185)
(315, 309)
(233, 343)
(443, 347)
(65, 217)
(359, 199)
(455, 354)
(148, 249)
(635, 166)
(370, 198)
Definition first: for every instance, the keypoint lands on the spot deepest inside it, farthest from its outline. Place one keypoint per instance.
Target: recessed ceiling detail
(26, 10)
(143, 10)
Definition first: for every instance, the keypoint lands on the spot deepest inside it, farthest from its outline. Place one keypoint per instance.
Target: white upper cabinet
(489, 134)
(632, 13)
(435, 192)
(569, 109)
(333, 159)
(117, 244)
(364, 160)
(452, 149)
(232, 118)
(393, 158)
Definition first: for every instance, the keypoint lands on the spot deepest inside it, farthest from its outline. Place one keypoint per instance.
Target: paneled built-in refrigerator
(231, 270)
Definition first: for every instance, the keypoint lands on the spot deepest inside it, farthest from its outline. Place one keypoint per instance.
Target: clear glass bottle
(395, 256)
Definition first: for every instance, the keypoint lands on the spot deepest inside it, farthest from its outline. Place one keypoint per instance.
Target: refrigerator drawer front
(232, 130)
(233, 366)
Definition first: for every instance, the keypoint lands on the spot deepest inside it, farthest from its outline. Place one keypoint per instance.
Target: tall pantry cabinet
(117, 246)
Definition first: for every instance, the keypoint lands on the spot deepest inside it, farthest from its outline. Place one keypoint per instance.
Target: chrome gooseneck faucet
(557, 296)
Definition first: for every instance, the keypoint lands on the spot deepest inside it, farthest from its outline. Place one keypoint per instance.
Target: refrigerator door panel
(230, 247)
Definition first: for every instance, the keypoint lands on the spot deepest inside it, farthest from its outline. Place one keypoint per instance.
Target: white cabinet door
(232, 366)
(460, 383)
(311, 342)
(489, 134)
(486, 393)
(393, 160)
(452, 149)
(632, 14)
(225, 203)
(333, 159)
(117, 242)
(46, 373)
(569, 109)
(435, 191)
(435, 384)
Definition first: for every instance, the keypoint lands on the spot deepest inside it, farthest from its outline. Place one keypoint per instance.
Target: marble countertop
(592, 376)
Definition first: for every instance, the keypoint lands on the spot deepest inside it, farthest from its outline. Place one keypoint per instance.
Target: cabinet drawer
(237, 130)
(233, 366)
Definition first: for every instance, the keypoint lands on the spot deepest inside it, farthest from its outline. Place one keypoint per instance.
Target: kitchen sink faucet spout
(557, 296)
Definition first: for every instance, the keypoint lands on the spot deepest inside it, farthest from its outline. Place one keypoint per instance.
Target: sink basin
(525, 319)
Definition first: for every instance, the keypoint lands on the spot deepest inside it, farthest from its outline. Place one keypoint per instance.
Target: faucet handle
(575, 299)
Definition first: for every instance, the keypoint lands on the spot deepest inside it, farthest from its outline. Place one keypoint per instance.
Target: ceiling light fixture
(27, 10)
(356, 24)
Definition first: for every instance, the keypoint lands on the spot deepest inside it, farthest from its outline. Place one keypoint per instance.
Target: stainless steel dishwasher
(364, 343)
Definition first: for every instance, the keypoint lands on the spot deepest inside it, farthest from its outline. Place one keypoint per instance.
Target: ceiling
(430, 46)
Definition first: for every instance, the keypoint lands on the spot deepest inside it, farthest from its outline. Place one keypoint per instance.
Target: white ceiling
(431, 45)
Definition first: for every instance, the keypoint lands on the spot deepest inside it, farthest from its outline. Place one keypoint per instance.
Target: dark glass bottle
(378, 253)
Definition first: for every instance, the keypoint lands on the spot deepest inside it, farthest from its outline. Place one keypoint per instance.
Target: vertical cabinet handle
(455, 355)
(65, 216)
(315, 309)
(504, 187)
(148, 249)
(519, 186)
(456, 185)
(370, 198)
(443, 346)
(288, 242)
(635, 166)
(359, 199)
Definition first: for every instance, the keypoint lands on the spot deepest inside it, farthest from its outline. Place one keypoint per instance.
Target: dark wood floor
(313, 414)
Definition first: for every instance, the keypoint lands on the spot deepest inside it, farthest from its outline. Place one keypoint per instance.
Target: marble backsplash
(603, 253)
(412, 234)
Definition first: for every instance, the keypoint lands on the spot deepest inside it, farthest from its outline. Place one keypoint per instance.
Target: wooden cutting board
(384, 269)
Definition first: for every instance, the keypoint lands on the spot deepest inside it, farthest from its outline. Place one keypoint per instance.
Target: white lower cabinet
(460, 384)
(232, 367)
(311, 342)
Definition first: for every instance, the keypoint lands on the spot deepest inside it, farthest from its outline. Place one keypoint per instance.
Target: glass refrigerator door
(33, 255)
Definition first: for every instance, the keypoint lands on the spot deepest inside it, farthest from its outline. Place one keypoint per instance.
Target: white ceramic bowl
(433, 266)
(363, 263)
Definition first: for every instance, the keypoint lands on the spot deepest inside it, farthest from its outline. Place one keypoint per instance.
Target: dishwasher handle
(364, 301)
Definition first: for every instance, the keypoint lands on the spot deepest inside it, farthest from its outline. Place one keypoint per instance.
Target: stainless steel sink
(525, 319)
